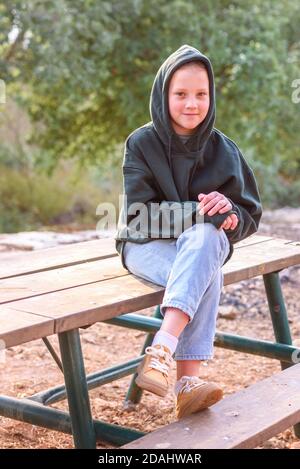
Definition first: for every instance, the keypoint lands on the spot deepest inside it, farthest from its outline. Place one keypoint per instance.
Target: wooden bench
(59, 290)
(243, 420)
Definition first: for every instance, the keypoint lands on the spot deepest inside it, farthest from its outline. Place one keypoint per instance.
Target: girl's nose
(191, 103)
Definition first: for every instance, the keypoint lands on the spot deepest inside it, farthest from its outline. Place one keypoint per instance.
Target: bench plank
(17, 327)
(25, 286)
(61, 256)
(243, 420)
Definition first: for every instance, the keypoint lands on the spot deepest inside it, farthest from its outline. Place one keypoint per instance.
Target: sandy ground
(29, 368)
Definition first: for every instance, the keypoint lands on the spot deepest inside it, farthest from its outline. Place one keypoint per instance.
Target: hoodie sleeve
(241, 189)
(145, 214)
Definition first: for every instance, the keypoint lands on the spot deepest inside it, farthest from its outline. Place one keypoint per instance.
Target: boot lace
(160, 359)
(188, 383)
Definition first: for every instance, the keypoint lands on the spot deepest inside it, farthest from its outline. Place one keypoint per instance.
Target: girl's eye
(182, 94)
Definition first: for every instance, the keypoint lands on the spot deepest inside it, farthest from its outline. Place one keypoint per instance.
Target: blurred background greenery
(78, 76)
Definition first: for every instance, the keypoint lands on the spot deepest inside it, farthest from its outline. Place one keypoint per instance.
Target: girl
(196, 196)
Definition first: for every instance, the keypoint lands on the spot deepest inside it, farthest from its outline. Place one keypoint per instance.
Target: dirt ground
(29, 368)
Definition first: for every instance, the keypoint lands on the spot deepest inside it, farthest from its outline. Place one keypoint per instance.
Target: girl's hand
(230, 223)
(213, 203)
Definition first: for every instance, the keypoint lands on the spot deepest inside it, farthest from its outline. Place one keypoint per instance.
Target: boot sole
(196, 405)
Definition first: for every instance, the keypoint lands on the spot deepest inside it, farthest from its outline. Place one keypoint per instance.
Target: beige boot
(195, 395)
(153, 372)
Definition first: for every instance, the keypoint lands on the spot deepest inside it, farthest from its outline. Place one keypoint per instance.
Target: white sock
(166, 339)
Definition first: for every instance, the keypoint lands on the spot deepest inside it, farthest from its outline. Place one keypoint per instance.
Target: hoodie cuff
(218, 218)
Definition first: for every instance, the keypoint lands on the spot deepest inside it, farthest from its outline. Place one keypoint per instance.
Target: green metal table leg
(279, 318)
(134, 393)
(77, 391)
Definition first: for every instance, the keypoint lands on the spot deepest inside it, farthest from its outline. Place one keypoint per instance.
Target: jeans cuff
(193, 357)
(175, 304)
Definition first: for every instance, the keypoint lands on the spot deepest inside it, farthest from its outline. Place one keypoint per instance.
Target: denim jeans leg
(201, 252)
(151, 261)
(190, 269)
(197, 339)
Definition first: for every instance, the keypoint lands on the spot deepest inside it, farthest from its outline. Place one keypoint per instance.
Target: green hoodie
(166, 175)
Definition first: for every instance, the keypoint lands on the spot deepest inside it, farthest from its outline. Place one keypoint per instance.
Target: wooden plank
(25, 286)
(243, 420)
(261, 258)
(61, 256)
(17, 327)
(90, 303)
(253, 239)
(65, 255)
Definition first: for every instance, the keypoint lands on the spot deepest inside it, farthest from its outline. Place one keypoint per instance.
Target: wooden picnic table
(59, 290)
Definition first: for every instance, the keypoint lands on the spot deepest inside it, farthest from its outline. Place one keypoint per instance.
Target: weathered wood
(243, 420)
(88, 304)
(24, 286)
(61, 256)
(261, 258)
(17, 327)
(253, 239)
(104, 299)
(247, 261)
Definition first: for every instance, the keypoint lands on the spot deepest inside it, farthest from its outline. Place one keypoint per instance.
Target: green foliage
(88, 67)
(275, 189)
(29, 198)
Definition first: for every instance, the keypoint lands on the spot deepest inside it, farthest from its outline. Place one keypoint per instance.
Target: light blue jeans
(190, 269)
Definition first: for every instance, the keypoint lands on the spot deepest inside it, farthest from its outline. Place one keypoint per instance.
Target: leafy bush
(30, 199)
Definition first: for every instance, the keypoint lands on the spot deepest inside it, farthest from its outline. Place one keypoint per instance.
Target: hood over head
(159, 108)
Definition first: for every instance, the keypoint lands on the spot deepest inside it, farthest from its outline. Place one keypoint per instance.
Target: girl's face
(188, 98)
